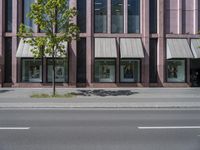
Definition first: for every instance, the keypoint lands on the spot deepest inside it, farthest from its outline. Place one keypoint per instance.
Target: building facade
(123, 43)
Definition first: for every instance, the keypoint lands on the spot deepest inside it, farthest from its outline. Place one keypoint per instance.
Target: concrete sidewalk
(104, 98)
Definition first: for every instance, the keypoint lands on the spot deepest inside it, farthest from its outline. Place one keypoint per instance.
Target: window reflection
(26, 9)
(31, 70)
(104, 70)
(176, 71)
(60, 70)
(133, 16)
(8, 15)
(81, 18)
(117, 16)
(130, 70)
(100, 16)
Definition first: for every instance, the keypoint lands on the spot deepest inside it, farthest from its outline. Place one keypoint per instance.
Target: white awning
(131, 48)
(24, 50)
(195, 45)
(178, 48)
(105, 48)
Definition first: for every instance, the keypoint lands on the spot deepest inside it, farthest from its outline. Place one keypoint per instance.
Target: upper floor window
(8, 16)
(153, 16)
(133, 16)
(26, 9)
(117, 7)
(100, 11)
(81, 18)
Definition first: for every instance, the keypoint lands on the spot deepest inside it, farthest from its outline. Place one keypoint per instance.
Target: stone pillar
(145, 39)
(72, 52)
(180, 17)
(2, 12)
(161, 43)
(196, 17)
(89, 45)
(14, 40)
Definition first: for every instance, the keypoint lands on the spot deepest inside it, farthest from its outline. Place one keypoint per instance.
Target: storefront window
(31, 70)
(130, 70)
(61, 69)
(100, 16)
(104, 70)
(117, 16)
(176, 71)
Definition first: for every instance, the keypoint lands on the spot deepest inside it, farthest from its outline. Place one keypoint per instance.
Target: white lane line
(14, 128)
(170, 127)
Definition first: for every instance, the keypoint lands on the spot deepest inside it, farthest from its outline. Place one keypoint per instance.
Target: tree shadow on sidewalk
(104, 93)
(5, 91)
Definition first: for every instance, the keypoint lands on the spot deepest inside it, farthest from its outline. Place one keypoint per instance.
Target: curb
(101, 105)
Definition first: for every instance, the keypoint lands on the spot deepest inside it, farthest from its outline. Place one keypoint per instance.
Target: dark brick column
(2, 12)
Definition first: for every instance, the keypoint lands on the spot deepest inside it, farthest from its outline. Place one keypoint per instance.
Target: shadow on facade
(104, 93)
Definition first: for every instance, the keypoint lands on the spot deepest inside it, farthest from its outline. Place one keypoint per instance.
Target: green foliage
(55, 19)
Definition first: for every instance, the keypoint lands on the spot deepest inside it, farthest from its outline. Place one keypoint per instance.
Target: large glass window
(153, 16)
(176, 71)
(8, 17)
(31, 70)
(134, 16)
(130, 70)
(81, 18)
(61, 70)
(117, 16)
(100, 16)
(26, 9)
(105, 70)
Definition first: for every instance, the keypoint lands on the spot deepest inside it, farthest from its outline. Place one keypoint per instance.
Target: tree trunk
(53, 78)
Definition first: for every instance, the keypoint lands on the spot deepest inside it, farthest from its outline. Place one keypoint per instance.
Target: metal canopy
(178, 48)
(24, 50)
(195, 45)
(105, 48)
(131, 48)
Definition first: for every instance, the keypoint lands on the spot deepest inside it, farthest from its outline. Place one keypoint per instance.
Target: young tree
(55, 20)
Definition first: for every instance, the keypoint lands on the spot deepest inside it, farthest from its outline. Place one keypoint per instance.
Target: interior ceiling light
(98, 3)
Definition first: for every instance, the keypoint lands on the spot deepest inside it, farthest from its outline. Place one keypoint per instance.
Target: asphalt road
(99, 129)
